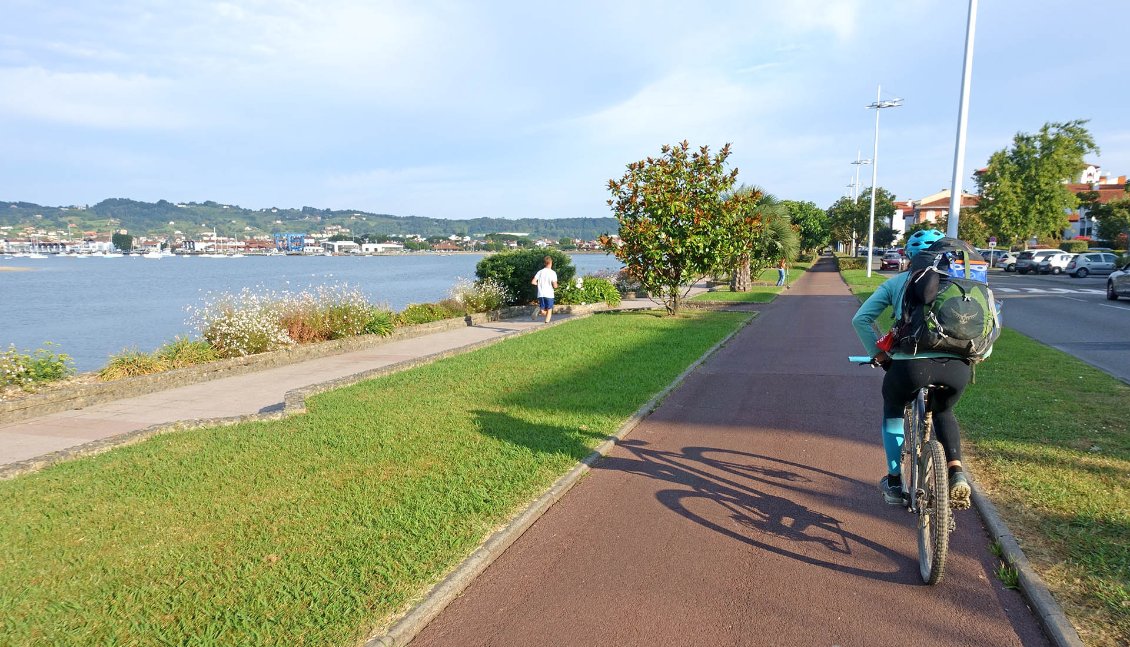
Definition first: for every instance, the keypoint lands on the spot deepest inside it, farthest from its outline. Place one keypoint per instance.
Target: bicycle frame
(916, 433)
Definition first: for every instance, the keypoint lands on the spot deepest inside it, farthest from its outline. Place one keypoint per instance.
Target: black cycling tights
(905, 377)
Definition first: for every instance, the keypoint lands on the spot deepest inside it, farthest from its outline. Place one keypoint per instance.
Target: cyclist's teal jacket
(888, 294)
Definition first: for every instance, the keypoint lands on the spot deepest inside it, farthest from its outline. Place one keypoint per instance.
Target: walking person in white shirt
(546, 280)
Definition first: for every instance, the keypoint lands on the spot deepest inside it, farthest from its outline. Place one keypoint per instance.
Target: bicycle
(925, 483)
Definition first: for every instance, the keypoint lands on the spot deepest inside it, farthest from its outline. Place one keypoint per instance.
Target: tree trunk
(740, 276)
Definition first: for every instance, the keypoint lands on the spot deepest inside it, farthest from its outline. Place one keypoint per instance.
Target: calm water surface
(94, 307)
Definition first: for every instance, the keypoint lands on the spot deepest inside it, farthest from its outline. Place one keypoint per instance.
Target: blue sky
(464, 109)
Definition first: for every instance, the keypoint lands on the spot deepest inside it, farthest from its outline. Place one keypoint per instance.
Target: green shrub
(182, 352)
(514, 270)
(380, 322)
(1074, 246)
(593, 289)
(179, 353)
(421, 313)
(851, 263)
(132, 362)
(26, 370)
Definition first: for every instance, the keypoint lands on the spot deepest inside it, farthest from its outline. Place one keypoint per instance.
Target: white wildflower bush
(479, 296)
(241, 323)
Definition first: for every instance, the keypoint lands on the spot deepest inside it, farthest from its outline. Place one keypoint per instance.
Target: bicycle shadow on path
(734, 494)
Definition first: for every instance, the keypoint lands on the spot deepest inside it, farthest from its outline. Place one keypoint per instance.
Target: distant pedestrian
(782, 271)
(546, 280)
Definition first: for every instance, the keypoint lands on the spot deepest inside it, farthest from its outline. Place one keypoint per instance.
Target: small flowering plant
(25, 370)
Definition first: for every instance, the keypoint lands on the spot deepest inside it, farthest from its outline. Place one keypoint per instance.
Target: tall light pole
(877, 106)
(855, 191)
(962, 121)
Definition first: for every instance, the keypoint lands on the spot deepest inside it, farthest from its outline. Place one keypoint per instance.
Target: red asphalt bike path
(744, 511)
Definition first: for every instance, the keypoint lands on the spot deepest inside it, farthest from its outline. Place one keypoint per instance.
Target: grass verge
(1056, 461)
(314, 530)
(757, 293)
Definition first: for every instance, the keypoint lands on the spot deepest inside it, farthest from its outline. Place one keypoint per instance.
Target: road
(1070, 314)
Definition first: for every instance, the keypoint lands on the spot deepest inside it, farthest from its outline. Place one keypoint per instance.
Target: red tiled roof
(1107, 192)
(966, 201)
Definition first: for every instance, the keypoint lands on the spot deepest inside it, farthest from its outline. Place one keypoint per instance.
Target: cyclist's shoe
(959, 491)
(892, 494)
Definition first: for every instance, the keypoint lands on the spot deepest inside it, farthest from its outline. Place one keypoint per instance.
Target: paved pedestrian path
(240, 395)
(744, 511)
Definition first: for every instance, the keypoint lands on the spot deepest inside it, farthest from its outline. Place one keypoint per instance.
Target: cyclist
(908, 373)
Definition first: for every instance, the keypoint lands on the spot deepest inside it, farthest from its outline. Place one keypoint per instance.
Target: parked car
(1092, 263)
(893, 261)
(993, 255)
(1055, 263)
(1118, 283)
(1029, 259)
(1007, 261)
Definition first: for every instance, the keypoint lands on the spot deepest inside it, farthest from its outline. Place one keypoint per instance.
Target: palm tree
(769, 236)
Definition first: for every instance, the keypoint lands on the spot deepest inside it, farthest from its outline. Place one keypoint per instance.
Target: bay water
(95, 307)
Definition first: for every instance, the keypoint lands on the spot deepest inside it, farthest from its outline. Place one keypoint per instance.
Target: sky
(463, 109)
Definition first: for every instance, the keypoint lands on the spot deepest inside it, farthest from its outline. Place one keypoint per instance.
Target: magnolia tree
(674, 221)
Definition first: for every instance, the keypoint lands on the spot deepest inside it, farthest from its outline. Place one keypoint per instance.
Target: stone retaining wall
(85, 395)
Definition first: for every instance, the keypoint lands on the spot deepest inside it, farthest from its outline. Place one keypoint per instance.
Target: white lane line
(1107, 305)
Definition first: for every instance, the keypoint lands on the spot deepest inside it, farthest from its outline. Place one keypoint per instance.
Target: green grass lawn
(313, 530)
(1052, 446)
(757, 293)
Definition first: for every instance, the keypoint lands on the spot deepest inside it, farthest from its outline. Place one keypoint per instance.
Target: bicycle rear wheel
(933, 512)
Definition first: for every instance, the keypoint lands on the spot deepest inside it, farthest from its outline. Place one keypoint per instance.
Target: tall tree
(1023, 188)
(759, 235)
(812, 223)
(850, 220)
(674, 222)
(1113, 219)
(971, 227)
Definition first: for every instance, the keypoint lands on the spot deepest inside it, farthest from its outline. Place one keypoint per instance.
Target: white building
(381, 248)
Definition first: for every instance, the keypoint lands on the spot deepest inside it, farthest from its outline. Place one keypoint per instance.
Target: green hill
(165, 218)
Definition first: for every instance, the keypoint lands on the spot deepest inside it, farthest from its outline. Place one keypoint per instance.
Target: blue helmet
(920, 240)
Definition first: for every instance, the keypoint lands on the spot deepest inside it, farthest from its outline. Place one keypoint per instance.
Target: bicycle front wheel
(933, 512)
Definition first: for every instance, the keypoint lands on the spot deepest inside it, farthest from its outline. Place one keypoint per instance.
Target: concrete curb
(404, 629)
(294, 402)
(1052, 618)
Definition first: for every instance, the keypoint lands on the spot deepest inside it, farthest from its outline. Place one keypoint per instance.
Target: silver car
(1118, 283)
(1091, 263)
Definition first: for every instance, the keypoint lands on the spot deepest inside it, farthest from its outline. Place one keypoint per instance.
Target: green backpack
(947, 306)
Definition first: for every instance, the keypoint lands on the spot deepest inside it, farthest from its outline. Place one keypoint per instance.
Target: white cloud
(99, 100)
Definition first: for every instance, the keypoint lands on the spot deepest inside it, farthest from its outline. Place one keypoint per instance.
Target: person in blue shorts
(546, 280)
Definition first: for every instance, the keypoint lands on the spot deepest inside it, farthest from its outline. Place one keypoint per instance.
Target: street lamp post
(855, 191)
(877, 106)
(962, 122)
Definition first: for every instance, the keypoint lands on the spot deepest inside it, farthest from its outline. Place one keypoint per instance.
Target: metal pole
(874, 179)
(962, 122)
